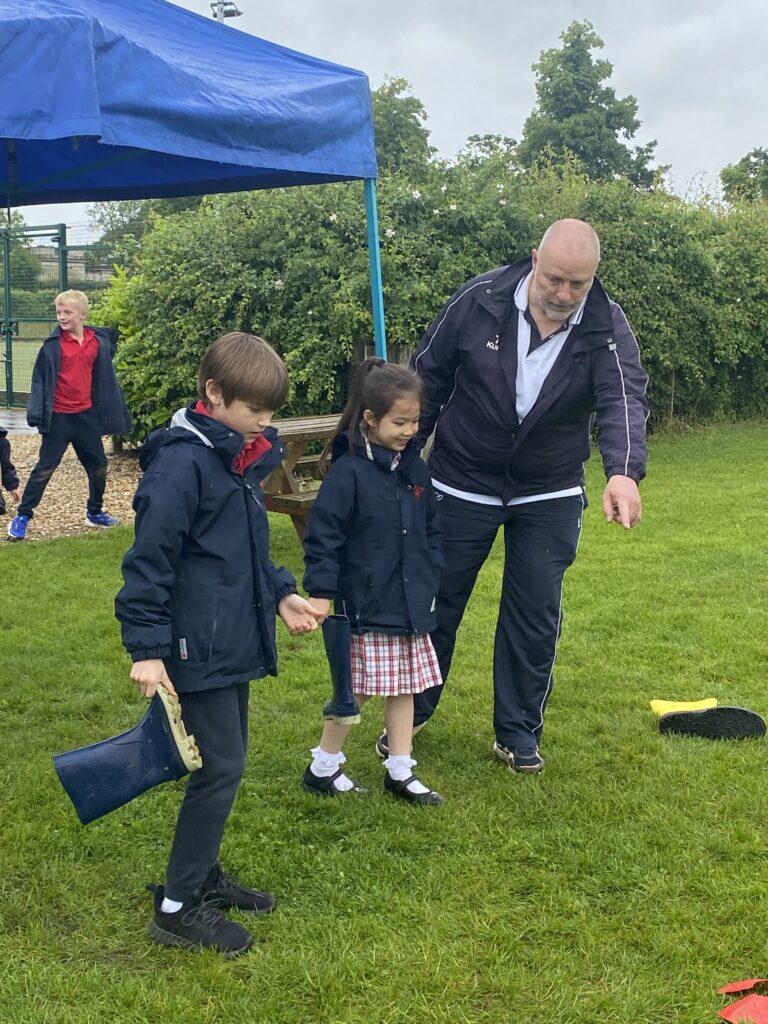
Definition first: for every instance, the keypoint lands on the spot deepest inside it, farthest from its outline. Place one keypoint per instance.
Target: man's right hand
(150, 674)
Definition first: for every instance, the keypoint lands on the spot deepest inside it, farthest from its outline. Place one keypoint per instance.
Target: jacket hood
(190, 427)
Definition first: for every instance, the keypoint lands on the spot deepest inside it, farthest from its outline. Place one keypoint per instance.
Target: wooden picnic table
(288, 488)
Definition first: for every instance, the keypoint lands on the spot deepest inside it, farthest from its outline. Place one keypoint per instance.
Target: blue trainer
(100, 519)
(17, 528)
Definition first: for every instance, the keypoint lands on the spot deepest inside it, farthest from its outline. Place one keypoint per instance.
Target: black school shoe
(401, 791)
(714, 723)
(197, 926)
(223, 891)
(323, 785)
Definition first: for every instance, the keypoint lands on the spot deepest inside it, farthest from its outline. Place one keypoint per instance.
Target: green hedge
(292, 265)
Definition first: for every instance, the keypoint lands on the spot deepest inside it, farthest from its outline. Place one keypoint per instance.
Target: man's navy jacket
(108, 401)
(467, 360)
(373, 540)
(200, 589)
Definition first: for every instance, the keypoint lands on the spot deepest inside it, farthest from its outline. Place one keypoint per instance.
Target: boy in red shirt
(75, 398)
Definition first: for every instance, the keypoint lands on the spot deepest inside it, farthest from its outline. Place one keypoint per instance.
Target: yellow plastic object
(666, 707)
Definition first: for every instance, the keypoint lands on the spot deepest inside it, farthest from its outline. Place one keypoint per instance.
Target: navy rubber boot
(103, 776)
(342, 707)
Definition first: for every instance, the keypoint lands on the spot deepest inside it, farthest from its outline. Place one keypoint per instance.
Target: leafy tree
(24, 265)
(577, 113)
(747, 179)
(402, 138)
(123, 222)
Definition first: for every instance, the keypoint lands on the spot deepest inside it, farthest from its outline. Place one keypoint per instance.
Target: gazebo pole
(374, 257)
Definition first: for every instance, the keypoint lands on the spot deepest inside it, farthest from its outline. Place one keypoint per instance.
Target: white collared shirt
(533, 368)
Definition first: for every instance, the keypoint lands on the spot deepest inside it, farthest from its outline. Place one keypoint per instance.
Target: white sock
(324, 765)
(170, 906)
(399, 768)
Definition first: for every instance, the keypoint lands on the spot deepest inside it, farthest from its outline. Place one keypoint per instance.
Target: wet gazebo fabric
(127, 99)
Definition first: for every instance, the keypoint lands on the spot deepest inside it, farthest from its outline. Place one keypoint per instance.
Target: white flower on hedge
(333, 216)
(452, 206)
(443, 188)
(502, 202)
(500, 187)
(390, 232)
(279, 283)
(436, 212)
(416, 194)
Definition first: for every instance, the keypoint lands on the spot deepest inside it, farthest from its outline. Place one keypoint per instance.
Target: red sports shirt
(73, 385)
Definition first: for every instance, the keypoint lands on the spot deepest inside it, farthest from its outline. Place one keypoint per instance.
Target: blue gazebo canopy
(140, 99)
(101, 99)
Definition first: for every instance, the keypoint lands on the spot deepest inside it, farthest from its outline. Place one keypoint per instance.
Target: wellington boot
(106, 775)
(342, 707)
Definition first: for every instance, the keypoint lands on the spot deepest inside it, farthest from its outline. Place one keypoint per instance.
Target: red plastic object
(743, 986)
(751, 1008)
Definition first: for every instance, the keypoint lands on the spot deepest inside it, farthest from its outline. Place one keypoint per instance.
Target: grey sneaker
(527, 761)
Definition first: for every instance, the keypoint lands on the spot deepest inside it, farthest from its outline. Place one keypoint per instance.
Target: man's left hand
(621, 502)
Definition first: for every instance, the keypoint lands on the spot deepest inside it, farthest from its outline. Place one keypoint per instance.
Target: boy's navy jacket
(108, 401)
(200, 589)
(8, 474)
(373, 540)
(467, 360)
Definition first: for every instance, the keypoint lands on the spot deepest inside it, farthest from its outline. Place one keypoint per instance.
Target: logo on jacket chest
(418, 490)
(493, 343)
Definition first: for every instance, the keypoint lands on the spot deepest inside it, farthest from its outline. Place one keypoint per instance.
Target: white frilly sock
(399, 768)
(324, 765)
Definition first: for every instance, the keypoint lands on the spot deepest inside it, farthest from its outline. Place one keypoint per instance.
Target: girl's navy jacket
(373, 540)
(200, 589)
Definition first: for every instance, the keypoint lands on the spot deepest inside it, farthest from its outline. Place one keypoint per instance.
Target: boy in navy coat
(197, 612)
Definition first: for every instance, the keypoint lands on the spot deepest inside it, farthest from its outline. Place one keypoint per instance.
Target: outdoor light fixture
(225, 9)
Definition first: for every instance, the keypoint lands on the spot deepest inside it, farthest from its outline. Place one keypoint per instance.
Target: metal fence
(36, 263)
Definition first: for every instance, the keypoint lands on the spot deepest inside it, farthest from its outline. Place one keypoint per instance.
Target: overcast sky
(698, 68)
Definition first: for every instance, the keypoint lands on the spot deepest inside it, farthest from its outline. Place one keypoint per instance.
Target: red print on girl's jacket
(418, 491)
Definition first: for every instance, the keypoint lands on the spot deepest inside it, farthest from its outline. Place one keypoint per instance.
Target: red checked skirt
(386, 666)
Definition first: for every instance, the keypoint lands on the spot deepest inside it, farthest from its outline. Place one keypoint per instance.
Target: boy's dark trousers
(83, 431)
(541, 539)
(218, 719)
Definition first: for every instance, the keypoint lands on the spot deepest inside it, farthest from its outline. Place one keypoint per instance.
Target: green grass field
(624, 885)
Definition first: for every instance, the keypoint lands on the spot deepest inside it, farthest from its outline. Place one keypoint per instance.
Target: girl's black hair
(375, 385)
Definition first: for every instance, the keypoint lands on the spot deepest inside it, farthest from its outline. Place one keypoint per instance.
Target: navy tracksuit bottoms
(218, 719)
(82, 430)
(540, 540)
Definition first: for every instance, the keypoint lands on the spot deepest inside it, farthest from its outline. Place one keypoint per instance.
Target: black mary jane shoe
(324, 785)
(401, 791)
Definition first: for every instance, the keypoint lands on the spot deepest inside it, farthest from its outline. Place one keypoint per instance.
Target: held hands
(298, 614)
(621, 502)
(150, 674)
(321, 607)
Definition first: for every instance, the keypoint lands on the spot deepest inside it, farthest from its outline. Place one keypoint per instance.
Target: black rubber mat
(714, 723)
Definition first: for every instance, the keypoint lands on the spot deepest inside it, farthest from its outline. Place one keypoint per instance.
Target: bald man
(513, 367)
